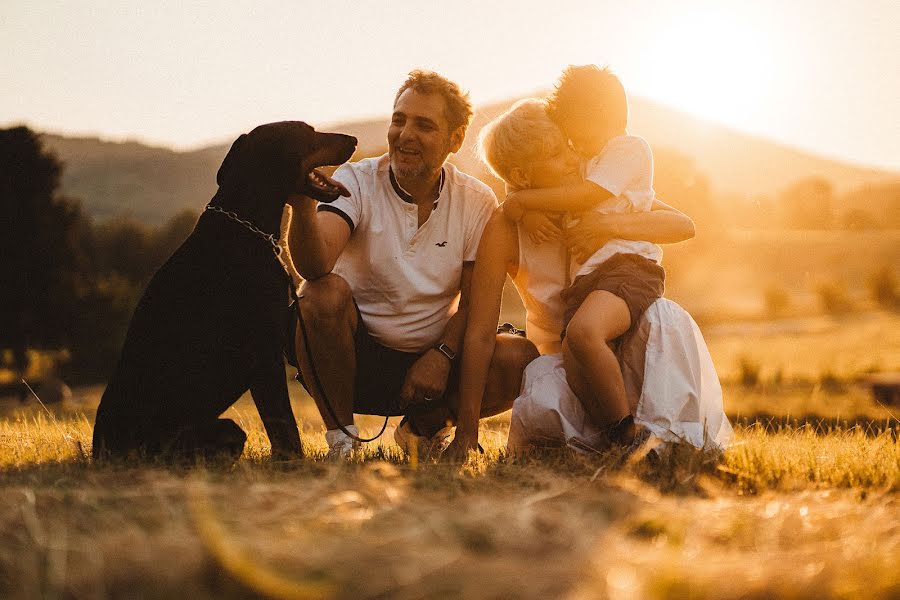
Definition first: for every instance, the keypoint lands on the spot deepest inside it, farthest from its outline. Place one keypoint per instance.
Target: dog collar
(277, 248)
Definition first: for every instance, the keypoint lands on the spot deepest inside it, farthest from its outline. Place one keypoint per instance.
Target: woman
(526, 149)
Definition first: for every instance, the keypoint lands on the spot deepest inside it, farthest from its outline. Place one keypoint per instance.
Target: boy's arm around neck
(576, 197)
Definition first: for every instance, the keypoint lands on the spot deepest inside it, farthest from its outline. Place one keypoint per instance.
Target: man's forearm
(455, 329)
(305, 242)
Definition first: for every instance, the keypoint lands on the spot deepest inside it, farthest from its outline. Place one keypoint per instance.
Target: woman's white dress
(670, 379)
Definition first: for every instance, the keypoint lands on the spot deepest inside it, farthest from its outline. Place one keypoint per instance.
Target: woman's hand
(459, 448)
(540, 227)
(586, 237)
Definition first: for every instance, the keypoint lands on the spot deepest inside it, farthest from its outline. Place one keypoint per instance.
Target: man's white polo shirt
(405, 278)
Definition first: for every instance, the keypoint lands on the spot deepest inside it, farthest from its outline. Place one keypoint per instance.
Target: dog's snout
(347, 141)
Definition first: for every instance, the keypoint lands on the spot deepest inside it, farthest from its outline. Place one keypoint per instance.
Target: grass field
(803, 508)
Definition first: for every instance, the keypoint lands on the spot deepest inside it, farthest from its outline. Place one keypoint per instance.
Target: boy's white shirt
(625, 169)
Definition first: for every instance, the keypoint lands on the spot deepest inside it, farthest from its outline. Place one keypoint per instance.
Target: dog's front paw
(287, 453)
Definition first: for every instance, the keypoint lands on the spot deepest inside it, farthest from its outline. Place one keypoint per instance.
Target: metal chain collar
(276, 247)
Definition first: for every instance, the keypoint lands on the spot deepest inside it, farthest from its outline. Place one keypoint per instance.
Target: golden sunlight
(711, 64)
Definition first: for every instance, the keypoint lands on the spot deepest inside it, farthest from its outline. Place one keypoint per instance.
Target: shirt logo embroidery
(441, 244)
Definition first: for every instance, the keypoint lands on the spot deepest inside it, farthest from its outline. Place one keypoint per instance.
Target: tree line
(68, 282)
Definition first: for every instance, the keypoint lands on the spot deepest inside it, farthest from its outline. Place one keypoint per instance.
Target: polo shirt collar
(406, 196)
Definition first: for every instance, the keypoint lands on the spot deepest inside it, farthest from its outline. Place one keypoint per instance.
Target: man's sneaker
(341, 445)
(423, 447)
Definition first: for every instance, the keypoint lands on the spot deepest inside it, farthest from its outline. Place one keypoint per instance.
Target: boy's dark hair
(459, 109)
(587, 92)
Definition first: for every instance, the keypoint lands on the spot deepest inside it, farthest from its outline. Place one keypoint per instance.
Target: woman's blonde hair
(519, 137)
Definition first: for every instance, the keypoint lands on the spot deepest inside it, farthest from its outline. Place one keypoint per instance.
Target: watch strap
(446, 351)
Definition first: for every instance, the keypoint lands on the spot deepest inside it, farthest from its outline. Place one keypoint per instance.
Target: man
(382, 328)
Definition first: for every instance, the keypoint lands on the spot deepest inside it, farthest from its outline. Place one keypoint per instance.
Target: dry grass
(788, 511)
(791, 513)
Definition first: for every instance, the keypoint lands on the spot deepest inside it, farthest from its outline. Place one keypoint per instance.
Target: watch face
(445, 349)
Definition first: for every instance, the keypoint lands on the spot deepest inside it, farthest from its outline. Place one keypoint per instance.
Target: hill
(153, 183)
(147, 183)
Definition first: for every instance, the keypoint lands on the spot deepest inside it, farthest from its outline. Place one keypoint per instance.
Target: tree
(40, 256)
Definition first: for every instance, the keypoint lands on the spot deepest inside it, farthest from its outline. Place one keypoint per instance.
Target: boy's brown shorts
(637, 280)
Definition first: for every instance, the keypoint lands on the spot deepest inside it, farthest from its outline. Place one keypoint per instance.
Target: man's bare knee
(328, 297)
(511, 355)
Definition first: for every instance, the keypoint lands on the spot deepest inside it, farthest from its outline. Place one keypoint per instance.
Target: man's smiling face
(419, 138)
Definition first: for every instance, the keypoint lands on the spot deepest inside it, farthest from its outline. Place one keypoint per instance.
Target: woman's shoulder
(500, 237)
(499, 227)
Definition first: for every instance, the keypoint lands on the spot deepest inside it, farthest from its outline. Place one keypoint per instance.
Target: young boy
(613, 287)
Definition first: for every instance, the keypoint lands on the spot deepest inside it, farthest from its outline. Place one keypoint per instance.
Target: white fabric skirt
(670, 379)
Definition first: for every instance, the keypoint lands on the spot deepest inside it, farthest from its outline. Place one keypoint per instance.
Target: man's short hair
(589, 92)
(459, 109)
(519, 137)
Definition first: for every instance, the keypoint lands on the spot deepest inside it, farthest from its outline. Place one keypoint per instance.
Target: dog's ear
(231, 159)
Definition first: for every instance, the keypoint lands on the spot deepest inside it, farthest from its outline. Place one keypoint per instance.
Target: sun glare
(712, 65)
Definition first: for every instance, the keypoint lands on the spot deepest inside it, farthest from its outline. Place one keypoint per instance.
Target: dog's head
(281, 159)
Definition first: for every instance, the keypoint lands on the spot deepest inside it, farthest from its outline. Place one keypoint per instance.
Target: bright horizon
(820, 76)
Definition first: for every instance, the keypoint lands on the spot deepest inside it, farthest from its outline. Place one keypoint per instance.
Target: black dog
(210, 324)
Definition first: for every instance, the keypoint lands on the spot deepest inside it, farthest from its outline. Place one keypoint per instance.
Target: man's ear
(456, 138)
(519, 178)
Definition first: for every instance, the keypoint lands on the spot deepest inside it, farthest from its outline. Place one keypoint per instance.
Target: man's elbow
(311, 272)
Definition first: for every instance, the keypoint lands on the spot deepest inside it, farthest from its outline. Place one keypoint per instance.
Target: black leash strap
(321, 388)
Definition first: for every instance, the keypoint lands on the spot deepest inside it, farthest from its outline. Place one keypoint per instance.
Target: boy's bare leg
(592, 369)
(511, 355)
(331, 321)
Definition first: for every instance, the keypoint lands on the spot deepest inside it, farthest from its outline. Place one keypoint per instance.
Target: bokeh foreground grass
(792, 513)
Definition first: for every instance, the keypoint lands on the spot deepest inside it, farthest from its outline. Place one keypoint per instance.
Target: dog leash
(278, 250)
(318, 382)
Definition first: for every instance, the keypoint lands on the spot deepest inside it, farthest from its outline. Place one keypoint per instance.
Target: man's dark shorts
(637, 280)
(380, 373)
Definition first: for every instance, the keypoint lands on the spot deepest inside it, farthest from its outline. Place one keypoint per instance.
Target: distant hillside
(130, 179)
(151, 184)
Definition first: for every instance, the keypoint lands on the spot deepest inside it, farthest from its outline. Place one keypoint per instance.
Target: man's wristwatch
(446, 351)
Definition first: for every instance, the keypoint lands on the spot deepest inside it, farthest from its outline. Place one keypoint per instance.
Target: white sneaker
(341, 445)
(424, 447)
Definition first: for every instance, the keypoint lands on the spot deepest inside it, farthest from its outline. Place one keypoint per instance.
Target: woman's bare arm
(574, 197)
(494, 256)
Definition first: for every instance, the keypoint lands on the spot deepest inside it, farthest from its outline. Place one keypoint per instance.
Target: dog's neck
(263, 215)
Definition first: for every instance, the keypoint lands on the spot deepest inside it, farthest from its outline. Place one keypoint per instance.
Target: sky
(821, 75)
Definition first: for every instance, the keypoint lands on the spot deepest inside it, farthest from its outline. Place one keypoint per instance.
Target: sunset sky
(822, 75)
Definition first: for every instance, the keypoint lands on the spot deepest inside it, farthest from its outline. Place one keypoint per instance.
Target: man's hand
(426, 379)
(540, 227)
(459, 448)
(588, 235)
